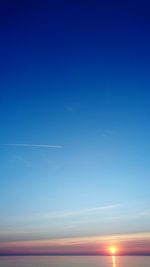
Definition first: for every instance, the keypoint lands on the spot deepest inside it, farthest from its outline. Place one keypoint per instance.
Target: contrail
(34, 145)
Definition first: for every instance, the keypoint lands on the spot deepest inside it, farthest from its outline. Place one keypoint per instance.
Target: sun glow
(113, 250)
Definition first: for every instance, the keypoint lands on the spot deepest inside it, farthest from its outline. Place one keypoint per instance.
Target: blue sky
(76, 75)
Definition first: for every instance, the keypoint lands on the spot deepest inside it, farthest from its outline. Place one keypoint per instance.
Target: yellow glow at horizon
(113, 250)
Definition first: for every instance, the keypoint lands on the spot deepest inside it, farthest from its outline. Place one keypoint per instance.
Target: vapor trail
(34, 145)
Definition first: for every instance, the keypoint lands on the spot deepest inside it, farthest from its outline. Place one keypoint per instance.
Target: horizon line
(75, 254)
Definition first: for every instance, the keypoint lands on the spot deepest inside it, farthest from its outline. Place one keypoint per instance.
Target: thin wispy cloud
(110, 134)
(76, 213)
(64, 214)
(20, 159)
(87, 211)
(34, 145)
(53, 224)
(103, 239)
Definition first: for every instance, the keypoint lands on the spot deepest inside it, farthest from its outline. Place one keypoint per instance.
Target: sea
(75, 261)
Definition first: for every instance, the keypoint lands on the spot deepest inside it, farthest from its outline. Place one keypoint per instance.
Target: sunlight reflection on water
(114, 261)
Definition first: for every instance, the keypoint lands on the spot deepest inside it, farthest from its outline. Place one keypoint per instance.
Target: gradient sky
(74, 74)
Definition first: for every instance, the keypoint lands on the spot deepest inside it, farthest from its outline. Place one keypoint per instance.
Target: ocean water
(75, 261)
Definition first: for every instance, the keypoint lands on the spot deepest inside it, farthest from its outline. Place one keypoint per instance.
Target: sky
(74, 116)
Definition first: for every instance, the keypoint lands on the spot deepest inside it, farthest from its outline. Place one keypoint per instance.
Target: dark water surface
(75, 261)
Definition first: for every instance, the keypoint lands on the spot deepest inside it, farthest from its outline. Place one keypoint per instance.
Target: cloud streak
(33, 145)
(129, 244)
(85, 211)
(64, 214)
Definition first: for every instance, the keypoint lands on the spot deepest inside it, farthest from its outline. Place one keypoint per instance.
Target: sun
(113, 250)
